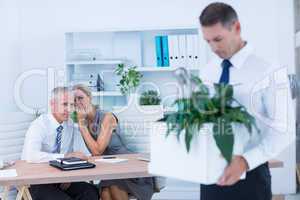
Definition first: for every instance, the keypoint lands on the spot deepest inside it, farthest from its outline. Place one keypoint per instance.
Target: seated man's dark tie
(58, 139)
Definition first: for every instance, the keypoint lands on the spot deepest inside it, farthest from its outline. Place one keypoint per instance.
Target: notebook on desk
(144, 157)
(72, 163)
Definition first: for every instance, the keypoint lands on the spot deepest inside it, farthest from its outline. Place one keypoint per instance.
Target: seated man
(49, 137)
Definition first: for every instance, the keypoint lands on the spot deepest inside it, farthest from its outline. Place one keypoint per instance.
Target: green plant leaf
(188, 139)
(119, 70)
(223, 95)
(199, 109)
(150, 97)
(203, 89)
(224, 138)
(130, 78)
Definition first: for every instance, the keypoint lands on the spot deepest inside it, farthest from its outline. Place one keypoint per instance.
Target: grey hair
(56, 92)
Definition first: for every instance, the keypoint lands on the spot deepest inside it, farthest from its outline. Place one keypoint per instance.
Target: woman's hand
(81, 115)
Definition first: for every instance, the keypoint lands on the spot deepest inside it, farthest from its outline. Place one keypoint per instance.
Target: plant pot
(145, 113)
(150, 109)
(132, 99)
(203, 164)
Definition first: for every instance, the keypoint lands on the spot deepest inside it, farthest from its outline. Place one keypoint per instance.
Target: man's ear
(237, 26)
(52, 104)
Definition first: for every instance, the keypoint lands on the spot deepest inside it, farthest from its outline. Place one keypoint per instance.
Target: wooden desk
(275, 164)
(42, 173)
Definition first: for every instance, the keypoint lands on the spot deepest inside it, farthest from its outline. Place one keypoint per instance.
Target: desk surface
(42, 173)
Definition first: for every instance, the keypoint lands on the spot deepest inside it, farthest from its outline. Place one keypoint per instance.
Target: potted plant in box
(198, 140)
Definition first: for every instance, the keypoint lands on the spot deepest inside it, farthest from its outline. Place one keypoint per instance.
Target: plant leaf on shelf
(130, 78)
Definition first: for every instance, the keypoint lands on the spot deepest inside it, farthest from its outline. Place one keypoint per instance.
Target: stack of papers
(7, 173)
(144, 157)
(111, 160)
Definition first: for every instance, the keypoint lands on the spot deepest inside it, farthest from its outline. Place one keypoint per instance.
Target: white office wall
(9, 51)
(267, 25)
(45, 22)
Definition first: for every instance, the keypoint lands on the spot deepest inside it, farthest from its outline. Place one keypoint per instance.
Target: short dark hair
(218, 12)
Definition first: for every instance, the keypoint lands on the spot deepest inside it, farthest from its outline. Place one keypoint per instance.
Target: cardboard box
(203, 164)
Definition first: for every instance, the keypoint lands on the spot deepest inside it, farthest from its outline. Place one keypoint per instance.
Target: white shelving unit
(162, 69)
(133, 48)
(97, 62)
(130, 47)
(107, 93)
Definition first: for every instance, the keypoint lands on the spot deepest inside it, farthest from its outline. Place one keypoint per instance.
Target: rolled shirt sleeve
(274, 120)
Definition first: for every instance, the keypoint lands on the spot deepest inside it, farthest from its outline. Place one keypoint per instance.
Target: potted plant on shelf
(150, 102)
(197, 142)
(130, 80)
(150, 97)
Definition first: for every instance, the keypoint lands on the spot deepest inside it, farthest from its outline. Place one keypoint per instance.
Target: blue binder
(158, 46)
(165, 51)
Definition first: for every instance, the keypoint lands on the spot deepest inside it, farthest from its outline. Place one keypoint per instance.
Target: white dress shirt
(264, 91)
(40, 139)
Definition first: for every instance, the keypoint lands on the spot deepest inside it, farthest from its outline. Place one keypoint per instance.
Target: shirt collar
(239, 58)
(54, 123)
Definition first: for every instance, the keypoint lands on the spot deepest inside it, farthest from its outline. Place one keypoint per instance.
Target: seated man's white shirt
(255, 87)
(79, 143)
(40, 139)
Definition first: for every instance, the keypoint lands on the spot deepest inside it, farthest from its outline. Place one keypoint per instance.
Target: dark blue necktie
(58, 139)
(226, 64)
